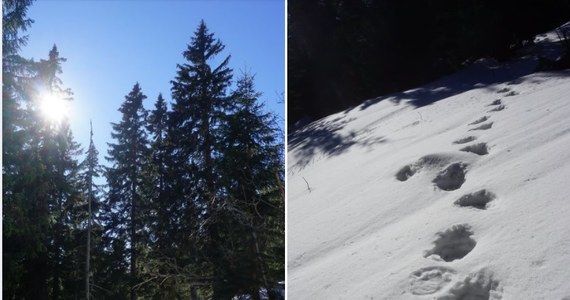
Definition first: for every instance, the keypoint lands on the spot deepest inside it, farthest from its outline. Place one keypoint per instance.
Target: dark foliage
(343, 52)
(126, 179)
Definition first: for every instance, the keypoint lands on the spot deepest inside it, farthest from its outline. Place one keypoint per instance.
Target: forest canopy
(192, 205)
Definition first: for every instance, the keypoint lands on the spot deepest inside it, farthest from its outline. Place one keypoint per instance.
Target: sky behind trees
(111, 45)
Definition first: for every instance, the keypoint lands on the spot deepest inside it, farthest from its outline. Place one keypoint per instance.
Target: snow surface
(456, 190)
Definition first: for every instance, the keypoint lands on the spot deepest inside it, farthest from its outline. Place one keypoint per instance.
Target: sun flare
(53, 107)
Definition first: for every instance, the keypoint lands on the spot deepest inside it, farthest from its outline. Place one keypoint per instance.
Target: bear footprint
(454, 243)
(496, 102)
(465, 140)
(452, 177)
(479, 149)
(430, 160)
(430, 280)
(477, 200)
(480, 285)
(480, 120)
(498, 108)
(483, 127)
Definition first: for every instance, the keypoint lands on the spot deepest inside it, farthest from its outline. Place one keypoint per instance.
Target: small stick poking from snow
(308, 187)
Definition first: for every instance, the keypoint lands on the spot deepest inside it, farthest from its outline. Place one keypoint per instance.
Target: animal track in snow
(452, 177)
(454, 243)
(465, 140)
(477, 200)
(430, 160)
(430, 280)
(479, 285)
(406, 172)
(498, 108)
(483, 127)
(479, 149)
(496, 102)
(508, 92)
(480, 120)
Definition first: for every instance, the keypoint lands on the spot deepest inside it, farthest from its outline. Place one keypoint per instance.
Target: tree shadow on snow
(484, 73)
(325, 137)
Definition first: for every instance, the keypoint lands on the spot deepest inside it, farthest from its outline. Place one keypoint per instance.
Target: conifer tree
(64, 210)
(14, 24)
(14, 204)
(200, 104)
(46, 185)
(159, 205)
(41, 190)
(157, 166)
(254, 207)
(128, 155)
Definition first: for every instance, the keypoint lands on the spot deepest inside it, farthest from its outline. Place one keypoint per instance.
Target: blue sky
(111, 45)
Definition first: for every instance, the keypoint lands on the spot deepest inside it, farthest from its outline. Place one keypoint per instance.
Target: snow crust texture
(455, 190)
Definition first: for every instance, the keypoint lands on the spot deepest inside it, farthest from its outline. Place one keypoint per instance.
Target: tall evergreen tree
(39, 196)
(64, 211)
(14, 24)
(57, 154)
(124, 178)
(253, 211)
(200, 104)
(162, 210)
(14, 204)
(157, 167)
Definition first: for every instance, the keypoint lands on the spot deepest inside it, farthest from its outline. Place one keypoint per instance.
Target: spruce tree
(252, 168)
(14, 204)
(42, 190)
(200, 104)
(128, 155)
(14, 67)
(157, 166)
(162, 210)
(64, 210)
(58, 153)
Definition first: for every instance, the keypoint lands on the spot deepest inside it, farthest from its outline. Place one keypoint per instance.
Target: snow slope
(456, 190)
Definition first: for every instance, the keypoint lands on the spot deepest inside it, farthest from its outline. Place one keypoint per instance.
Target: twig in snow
(308, 187)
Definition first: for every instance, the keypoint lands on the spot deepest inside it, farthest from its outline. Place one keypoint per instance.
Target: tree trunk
(56, 272)
(133, 242)
(88, 251)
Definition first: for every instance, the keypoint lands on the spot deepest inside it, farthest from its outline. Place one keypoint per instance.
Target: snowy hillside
(456, 190)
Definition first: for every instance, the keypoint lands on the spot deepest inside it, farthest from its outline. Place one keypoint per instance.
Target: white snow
(376, 224)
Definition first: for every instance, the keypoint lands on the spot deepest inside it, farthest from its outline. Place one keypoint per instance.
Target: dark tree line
(343, 52)
(193, 207)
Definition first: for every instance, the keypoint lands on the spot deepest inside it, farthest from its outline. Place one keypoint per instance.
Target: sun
(53, 107)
